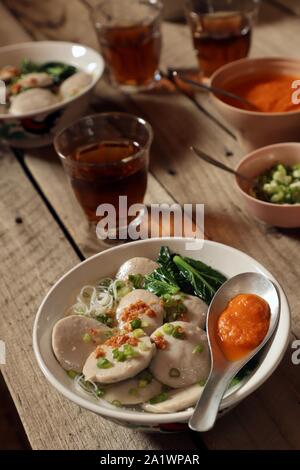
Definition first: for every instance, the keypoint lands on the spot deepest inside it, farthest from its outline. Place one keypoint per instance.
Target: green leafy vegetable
(204, 280)
(156, 283)
(177, 275)
(58, 70)
(27, 66)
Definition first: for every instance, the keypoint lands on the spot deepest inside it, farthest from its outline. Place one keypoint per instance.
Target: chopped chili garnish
(117, 341)
(133, 341)
(99, 352)
(160, 342)
(15, 88)
(94, 331)
(133, 311)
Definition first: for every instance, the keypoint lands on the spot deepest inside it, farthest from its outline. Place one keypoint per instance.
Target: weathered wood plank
(177, 124)
(34, 254)
(48, 172)
(288, 5)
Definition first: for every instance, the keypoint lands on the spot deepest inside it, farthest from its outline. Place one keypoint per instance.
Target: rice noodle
(88, 386)
(102, 299)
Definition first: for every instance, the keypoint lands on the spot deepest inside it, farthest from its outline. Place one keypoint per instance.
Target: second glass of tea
(129, 33)
(106, 156)
(221, 30)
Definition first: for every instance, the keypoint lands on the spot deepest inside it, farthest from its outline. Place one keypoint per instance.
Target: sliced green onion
(235, 381)
(133, 392)
(178, 333)
(72, 374)
(174, 372)
(146, 376)
(116, 403)
(136, 280)
(138, 333)
(87, 338)
(145, 324)
(108, 334)
(201, 382)
(143, 383)
(136, 323)
(143, 346)
(198, 349)
(120, 356)
(129, 351)
(168, 328)
(163, 396)
(100, 392)
(104, 363)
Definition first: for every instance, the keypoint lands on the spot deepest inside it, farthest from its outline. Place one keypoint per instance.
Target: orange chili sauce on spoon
(243, 325)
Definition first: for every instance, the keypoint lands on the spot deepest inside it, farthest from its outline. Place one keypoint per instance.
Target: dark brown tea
(132, 52)
(106, 171)
(220, 38)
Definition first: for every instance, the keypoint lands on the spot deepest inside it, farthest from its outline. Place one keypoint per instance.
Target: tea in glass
(106, 156)
(221, 30)
(129, 33)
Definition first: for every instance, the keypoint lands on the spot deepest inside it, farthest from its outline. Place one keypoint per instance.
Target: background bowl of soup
(226, 259)
(254, 165)
(36, 128)
(268, 84)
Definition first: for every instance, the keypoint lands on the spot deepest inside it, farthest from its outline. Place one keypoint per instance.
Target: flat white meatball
(119, 358)
(133, 391)
(183, 356)
(143, 305)
(177, 400)
(196, 310)
(75, 84)
(74, 338)
(137, 265)
(32, 100)
(36, 80)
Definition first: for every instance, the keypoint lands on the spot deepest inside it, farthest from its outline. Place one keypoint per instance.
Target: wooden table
(43, 234)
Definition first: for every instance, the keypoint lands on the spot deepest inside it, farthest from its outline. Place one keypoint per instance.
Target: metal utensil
(215, 90)
(222, 370)
(218, 164)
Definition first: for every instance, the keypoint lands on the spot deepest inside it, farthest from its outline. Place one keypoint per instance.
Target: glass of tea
(221, 30)
(129, 33)
(106, 156)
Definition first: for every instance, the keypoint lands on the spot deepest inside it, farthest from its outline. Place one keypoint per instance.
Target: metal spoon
(222, 370)
(218, 91)
(218, 164)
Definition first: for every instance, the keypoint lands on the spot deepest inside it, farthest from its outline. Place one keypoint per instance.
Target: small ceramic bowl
(256, 163)
(257, 129)
(224, 258)
(37, 129)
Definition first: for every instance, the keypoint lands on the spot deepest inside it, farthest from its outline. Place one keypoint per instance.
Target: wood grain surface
(37, 252)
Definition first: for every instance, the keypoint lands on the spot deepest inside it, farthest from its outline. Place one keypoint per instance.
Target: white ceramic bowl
(37, 129)
(228, 260)
(255, 164)
(258, 129)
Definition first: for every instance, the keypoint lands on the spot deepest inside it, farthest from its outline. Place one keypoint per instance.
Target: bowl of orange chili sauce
(271, 85)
